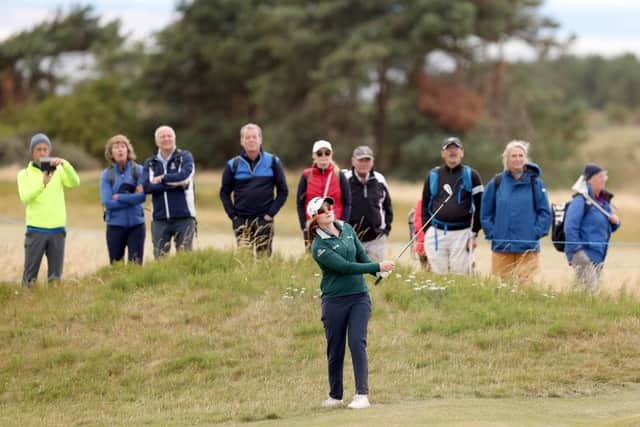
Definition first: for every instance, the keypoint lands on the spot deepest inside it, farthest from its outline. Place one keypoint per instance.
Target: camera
(45, 165)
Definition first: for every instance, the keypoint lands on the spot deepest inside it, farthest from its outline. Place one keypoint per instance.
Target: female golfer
(346, 305)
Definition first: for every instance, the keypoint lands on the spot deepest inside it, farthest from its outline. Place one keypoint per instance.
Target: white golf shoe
(330, 402)
(360, 401)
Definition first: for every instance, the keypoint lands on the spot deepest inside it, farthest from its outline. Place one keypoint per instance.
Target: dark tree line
(354, 72)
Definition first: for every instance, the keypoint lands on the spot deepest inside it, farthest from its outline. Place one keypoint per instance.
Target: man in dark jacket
(371, 212)
(252, 177)
(450, 238)
(168, 177)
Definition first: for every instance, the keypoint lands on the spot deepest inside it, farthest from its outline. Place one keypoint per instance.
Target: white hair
(155, 135)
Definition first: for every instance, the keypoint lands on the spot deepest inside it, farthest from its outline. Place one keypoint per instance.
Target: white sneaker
(331, 402)
(360, 401)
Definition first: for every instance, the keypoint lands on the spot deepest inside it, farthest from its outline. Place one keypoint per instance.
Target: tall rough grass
(215, 336)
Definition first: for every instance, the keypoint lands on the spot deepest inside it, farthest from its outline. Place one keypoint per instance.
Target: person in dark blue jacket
(123, 198)
(253, 177)
(588, 230)
(515, 214)
(168, 177)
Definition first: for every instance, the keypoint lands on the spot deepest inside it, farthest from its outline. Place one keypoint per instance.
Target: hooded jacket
(517, 215)
(371, 213)
(590, 226)
(128, 210)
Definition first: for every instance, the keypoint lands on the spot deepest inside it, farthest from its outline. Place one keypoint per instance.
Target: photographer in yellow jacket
(41, 188)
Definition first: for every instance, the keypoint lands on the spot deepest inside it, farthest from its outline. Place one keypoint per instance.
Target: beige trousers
(518, 266)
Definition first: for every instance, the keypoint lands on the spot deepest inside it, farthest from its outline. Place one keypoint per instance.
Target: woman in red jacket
(323, 179)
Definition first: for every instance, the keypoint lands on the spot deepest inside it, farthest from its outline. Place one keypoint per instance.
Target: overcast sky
(608, 27)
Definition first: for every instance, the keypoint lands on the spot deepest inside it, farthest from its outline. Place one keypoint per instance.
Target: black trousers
(129, 238)
(254, 232)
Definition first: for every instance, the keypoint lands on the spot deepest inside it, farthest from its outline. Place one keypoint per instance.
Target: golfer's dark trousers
(347, 317)
(36, 245)
(130, 238)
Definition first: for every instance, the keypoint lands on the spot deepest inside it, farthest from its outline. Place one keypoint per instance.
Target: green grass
(212, 337)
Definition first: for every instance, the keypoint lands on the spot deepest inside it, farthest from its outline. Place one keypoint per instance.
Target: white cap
(321, 144)
(316, 204)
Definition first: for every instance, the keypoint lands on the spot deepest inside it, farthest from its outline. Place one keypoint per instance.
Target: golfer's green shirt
(45, 206)
(342, 260)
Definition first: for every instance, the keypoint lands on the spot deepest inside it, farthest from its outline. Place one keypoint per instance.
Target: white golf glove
(383, 274)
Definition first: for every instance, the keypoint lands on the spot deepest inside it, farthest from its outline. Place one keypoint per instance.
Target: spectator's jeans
(181, 230)
(587, 272)
(121, 238)
(255, 233)
(35, 246)
(375, 248)
(347, 316)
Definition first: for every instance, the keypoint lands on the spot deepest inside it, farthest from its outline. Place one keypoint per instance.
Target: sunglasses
(323, 153)
(325, 209)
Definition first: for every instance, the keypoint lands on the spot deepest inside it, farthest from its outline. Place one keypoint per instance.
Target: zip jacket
(371, 213)
(128, 210)
(592, 226)
(45, 205)
(172, 198)
(517, 215)
(252, 184)
(342, 260)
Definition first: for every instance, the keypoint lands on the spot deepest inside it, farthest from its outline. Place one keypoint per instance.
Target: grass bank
(213, 336)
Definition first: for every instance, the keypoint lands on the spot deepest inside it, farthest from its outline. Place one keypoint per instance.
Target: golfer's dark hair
(311, 229)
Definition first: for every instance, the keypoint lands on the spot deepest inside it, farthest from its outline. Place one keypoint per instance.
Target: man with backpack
(450, 238)
(252, 178)
(168, 177)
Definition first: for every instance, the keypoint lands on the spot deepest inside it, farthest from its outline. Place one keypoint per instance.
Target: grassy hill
(213, 337)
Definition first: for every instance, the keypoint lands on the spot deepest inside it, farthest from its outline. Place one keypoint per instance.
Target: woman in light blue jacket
(588, 230)
(515, 214)
(123, 199)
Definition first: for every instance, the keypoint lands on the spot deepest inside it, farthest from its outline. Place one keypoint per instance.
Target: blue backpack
(433, 190)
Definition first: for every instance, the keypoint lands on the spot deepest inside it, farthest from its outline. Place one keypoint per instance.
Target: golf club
(447, 189)
(580, 187)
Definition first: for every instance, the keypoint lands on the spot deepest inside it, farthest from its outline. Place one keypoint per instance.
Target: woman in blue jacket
(123, 198)
(515, 214)
(588, 230)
